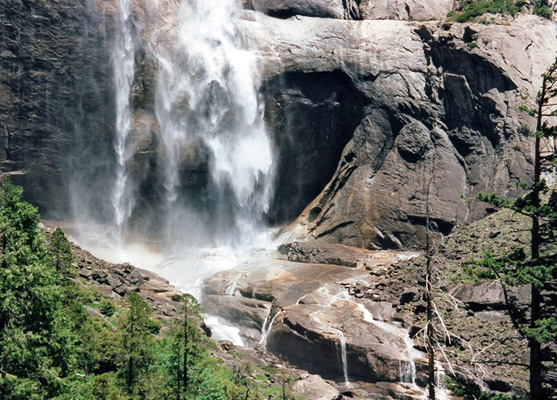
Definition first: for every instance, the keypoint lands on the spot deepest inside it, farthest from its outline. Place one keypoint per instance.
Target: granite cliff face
(356, 9)
(365, 115)
(438, 105)
(54, 83)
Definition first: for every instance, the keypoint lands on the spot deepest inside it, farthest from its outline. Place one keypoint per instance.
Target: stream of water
(207, 99)
(123, 67)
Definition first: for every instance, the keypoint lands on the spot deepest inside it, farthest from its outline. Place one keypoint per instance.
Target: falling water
(266, 330)
(231, 288)
(407, 368)
(123, 69)
(207, 98)
(344, 358)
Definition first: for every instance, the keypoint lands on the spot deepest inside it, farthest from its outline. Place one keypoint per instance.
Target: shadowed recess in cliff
(313, 117)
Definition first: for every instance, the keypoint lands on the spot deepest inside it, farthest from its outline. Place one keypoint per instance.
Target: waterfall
(207, 101)
(190, 163)
(267, 330)
(344, 358)
(222, 330)
(407, 368)
(123, 67)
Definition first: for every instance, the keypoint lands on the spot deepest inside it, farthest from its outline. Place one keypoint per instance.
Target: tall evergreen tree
(61, 252)
(137, 340)
(539, 267)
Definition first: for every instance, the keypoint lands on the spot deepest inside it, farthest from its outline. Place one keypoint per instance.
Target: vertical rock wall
(55, 81)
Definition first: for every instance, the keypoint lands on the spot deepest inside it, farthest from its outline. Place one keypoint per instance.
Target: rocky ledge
(117, 280)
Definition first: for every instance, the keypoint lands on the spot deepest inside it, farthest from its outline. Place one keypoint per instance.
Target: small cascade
(223, 331)
(123, 66)
(267, 329)
(441, 392)
(344, 358)
(231, 288)
(367, 315)
(408, 366)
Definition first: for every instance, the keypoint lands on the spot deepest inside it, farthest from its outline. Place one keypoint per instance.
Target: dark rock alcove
(311, 118)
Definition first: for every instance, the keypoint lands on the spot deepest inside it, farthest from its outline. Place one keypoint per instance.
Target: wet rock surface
(55, 82)
(312, 321)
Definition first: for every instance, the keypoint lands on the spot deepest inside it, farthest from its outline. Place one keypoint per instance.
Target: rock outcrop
(419, 10)
(118, 280)
(304, 313)
(439, 110)
(315, 8)
(328, 253)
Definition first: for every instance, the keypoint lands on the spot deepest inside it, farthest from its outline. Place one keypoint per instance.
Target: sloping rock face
(440, 119)
(304, 313)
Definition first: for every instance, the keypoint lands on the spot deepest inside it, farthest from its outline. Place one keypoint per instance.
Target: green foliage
(542, 9)
(471, 9)
(52, 348)
(460, 390)
(36, 342)
(107, 307)
(61, 252)
(474, 8)
(136, 340)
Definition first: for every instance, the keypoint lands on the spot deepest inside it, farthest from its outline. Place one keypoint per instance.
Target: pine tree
(61, 252)
(540, 204)
(136, 340)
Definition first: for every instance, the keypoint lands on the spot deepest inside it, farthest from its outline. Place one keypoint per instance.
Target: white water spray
(123, 69)
(207, 97)
(407, 368)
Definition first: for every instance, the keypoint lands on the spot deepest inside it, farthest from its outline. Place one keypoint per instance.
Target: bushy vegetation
(63, 340)
(471, 9)
(468, 393)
